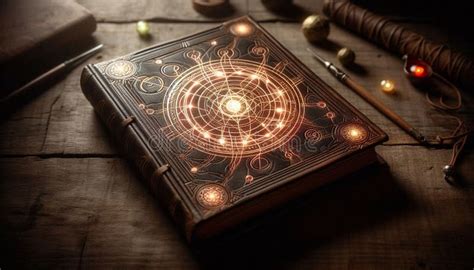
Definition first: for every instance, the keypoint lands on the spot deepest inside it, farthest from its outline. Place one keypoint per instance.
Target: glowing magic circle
(235, 108)
(120, 69)
(212, 195)
(354, 132)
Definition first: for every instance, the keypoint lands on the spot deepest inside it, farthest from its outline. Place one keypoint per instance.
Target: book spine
(120, 126)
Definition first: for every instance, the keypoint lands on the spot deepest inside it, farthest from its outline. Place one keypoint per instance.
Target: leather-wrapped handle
(453, 65)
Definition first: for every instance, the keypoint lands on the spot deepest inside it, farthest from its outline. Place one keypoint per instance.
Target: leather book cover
(37, 35)
(226, 124)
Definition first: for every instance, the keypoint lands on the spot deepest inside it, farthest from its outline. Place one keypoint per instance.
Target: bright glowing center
(243, 29)
(212, 196)
(233, 106)
(387, 86)
(354, 132)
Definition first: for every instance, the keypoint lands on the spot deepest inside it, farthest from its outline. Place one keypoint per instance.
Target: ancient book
(226, 124)
(38, 35)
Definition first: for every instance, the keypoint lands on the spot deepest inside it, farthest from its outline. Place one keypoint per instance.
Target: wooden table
(68, 199)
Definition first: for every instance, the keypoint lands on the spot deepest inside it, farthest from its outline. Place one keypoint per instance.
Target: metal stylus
(25, 89)
(367, 96)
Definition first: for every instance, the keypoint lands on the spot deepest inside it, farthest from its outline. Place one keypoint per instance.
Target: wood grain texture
(67, 199)
(123, 11)
(83, 212)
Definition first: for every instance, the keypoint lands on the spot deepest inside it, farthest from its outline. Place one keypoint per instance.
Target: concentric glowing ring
(354, 132)
(212, 195)
(120, 69)
(150, 85)
(234, 108)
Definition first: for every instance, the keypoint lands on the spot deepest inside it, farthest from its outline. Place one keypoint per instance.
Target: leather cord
(458, 137)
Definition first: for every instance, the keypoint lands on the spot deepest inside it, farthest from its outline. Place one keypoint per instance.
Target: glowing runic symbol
(233, 106)
(120, 69)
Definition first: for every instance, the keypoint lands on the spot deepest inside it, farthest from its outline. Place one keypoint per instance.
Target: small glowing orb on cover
(212, 196)
(222, 141)
(243, 29)
(354, 132)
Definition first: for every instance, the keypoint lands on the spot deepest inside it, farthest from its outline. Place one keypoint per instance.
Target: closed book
(37, 35)
(226, 124)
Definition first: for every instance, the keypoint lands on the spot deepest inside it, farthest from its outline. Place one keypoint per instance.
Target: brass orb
(315, 28)
(346, 56)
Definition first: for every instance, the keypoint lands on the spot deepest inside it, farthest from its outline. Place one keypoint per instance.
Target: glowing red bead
(418, 71)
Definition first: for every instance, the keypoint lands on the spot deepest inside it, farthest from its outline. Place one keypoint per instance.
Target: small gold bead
(346, 56)
(387, 86)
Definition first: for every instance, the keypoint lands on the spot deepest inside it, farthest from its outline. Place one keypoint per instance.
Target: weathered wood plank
(122, 11)
(94, 213)
(182, 10)
(62, 121)
(76, 213)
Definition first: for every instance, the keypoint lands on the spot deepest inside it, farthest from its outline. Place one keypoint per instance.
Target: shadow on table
(358, 202)
(287, 10)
